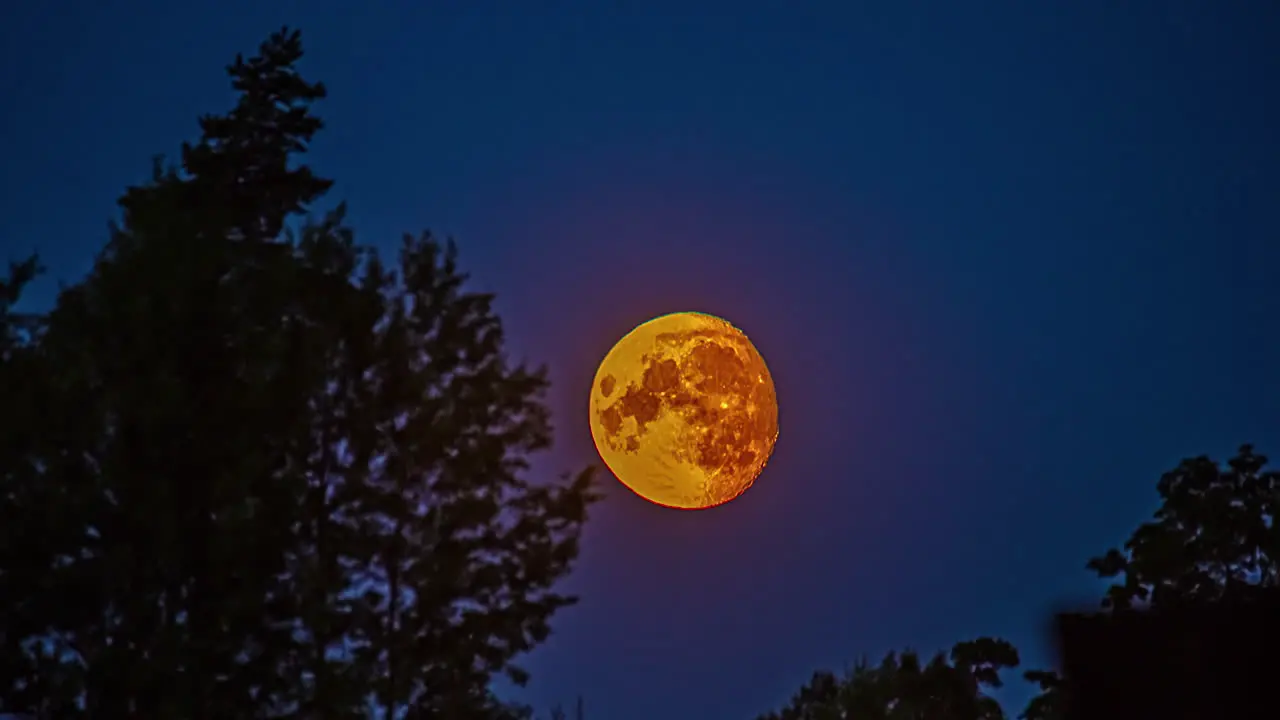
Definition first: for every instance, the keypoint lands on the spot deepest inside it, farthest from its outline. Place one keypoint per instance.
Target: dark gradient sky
(1008, 261)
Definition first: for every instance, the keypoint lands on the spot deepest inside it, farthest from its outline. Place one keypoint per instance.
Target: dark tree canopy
(902, 687)
(1213, 537)
(1213, 540)
(1047, 705)
(16, 328)
(252, 472)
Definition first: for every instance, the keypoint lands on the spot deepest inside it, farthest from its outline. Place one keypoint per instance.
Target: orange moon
(683, 411)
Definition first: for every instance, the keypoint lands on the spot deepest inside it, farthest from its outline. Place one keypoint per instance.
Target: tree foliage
(1214, 538)
(253, 472)
(16, 328)
(903, 687)
(1048, 704)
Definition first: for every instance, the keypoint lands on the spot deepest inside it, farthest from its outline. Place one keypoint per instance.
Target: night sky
(1007, 261)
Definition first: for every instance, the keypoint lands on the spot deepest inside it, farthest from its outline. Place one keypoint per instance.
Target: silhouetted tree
(16, 328)
(1214, 538)
(36, 679)
(246, 473)
(1048, 704)
(461, 552)
(902, 688)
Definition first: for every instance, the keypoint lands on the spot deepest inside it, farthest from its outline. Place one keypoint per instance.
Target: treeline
(1213, 541)
(249, 469)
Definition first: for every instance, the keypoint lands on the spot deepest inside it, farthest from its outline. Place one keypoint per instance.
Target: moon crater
(683, 411)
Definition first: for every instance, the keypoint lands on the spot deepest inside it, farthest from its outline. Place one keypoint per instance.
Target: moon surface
(683, 411)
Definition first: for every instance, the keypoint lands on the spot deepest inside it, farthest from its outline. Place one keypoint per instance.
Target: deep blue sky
(1008, 262)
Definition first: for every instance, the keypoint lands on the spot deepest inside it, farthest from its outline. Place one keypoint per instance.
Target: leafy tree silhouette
(1213, 538)
(1214, 542)
(252, 472)
(1212, 549)
(901, 687)
(1047, 705)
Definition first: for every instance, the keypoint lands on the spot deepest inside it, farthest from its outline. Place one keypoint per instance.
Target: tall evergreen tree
(254, 474)
(465, 551)
(163, 586)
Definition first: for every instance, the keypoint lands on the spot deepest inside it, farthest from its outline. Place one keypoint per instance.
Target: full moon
(683, 411)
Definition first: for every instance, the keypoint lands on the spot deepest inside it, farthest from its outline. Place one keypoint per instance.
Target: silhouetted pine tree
(248, 474)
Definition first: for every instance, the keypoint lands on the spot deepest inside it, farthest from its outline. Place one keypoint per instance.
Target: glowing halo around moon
(683, 411)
